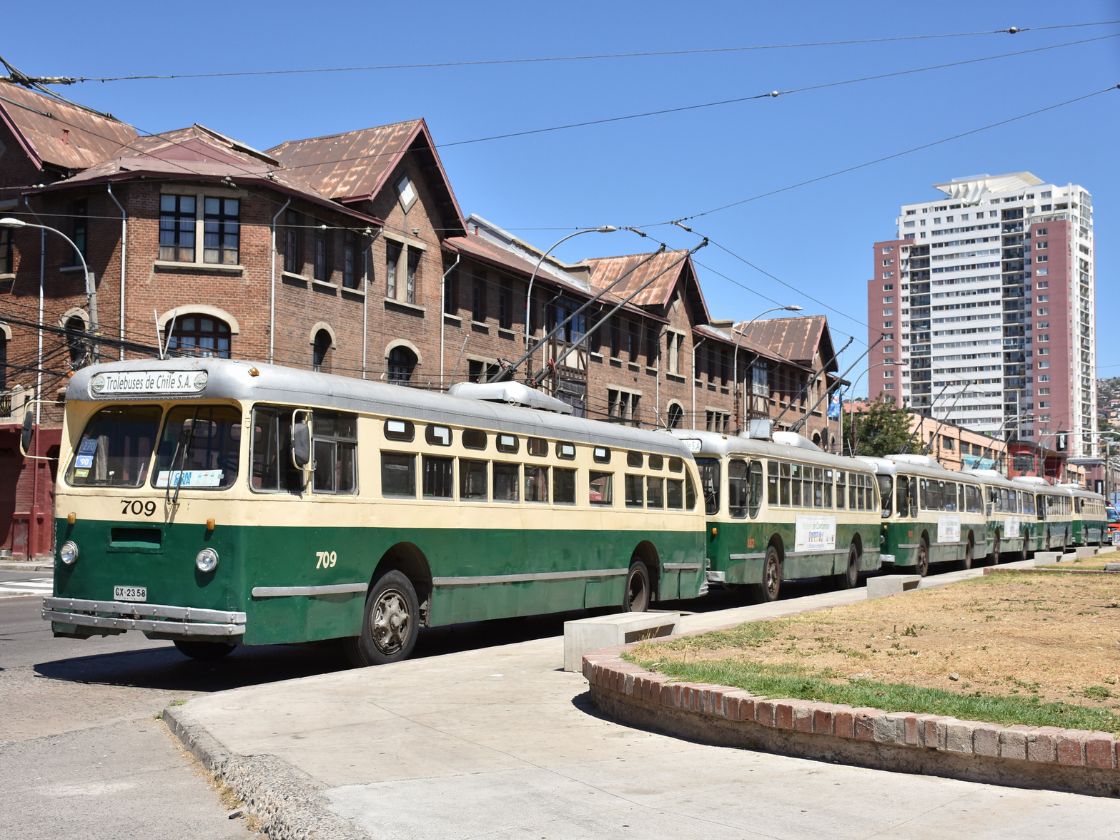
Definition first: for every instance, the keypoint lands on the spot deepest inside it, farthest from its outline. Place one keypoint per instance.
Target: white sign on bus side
(948, 529)
(815, 533)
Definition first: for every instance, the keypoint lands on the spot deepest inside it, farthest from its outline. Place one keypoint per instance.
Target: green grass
(801, 683)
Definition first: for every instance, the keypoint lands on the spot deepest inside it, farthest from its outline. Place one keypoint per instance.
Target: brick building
(348, 254)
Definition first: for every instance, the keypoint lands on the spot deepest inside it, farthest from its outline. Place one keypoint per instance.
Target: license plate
(138, 594)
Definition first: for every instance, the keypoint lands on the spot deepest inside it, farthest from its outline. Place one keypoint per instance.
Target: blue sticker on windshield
(84, 462)
(87, 446)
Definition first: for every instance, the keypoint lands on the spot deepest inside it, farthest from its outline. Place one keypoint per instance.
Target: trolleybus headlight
(68, 554)
(206, 560)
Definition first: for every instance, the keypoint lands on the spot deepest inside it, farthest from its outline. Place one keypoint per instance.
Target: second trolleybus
(780, 509)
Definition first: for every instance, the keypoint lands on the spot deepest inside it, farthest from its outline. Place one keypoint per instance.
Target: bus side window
(635, 490)
(689, 492)
(674, 493)
(398, 475)
(655, 492)
(272, 469)
(563, 486)
(737, 491)
(473, 479)
(336, 450)
(599, 488)
(771, 483)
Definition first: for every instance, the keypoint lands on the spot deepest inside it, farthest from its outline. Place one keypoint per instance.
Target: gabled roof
(57, 133)
(795, 338)
(743, 343)
(357, 165)
(198, 153)
(669, 268)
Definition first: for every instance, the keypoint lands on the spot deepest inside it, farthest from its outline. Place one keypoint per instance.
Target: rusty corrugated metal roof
(644, 267)
(574, 280)
(795, 338)
(58, 133)
(351, 164)
(199, 152)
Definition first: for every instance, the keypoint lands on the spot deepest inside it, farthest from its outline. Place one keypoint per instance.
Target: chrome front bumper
(110, 617)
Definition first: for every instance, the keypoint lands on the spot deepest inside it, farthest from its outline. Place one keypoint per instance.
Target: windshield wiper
(182, 448)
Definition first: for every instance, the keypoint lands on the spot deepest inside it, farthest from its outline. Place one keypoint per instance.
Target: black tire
(638, 592)
(849, 578)
(771, 586)
(204, 651)
(390, 623)
(966, 563)
(922, 566)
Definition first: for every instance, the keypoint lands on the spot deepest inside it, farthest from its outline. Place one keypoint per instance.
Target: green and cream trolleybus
(779, 509)
(1090, 518)
(1053, 504)
(1011, 515)
(216, 502)
(930, 514)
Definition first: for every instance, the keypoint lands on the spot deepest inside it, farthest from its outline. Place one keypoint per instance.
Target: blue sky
(817, 238)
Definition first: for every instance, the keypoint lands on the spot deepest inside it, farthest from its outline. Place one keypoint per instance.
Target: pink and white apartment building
(986, 301)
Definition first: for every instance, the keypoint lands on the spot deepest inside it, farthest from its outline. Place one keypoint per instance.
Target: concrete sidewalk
(500, 743)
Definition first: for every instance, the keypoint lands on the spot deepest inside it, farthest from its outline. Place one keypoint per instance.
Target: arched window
(321, 352)
(676, 415)
(402, 362)
(198, 335)
(76, 343)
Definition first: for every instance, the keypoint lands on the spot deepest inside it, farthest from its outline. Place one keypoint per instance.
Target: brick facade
(651, 364)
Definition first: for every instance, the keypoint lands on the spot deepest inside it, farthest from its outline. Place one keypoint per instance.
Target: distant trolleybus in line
(215, 502)
(930, 514)
(780, 509)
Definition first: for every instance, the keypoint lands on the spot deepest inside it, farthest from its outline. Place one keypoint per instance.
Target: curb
(289, 805)
(1020, 756)
(26, 566)
(1047, 571)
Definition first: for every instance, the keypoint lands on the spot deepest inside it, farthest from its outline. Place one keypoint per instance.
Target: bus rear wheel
(771, 586)
(204, 651)
(390, 624)
(637, 588)
(923, 558)
(849, 578)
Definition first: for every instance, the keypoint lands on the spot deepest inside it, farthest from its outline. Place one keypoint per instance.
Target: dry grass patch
(1032, 641)
(1087, 564)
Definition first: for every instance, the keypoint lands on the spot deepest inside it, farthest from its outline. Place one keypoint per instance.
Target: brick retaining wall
(1023, 756)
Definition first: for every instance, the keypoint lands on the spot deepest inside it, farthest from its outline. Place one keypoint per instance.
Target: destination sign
(117, 383)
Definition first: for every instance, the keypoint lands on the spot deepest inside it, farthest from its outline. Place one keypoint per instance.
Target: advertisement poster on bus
(815, 533)
(949, 529)
(1011, 528)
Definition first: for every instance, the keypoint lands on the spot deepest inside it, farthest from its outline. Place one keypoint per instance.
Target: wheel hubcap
(391, 622)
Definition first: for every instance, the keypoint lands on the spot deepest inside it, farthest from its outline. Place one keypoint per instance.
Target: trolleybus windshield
(115, 448)
(199, 448)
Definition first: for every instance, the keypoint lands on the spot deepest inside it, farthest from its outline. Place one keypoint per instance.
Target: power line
(884, 158)
(483, 62)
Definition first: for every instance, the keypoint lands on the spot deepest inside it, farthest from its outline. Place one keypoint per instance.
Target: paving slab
(502, 742)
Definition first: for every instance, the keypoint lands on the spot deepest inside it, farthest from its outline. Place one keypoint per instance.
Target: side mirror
(301, 440)
(26, 432)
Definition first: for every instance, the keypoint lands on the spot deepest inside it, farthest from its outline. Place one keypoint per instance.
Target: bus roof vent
(920, 460)
(759, 429)
(510, 393)
(794, 439)
(1032, 479)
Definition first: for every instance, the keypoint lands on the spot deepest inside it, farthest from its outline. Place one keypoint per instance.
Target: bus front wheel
(390, 624)
(204, 651)
(637, 588)
(771, 585)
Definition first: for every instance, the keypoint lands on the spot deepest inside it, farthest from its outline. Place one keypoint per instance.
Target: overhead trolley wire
(557, 59)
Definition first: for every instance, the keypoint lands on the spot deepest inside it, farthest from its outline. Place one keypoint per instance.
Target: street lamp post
(739, 330)
(91, 297)
(537, 267)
